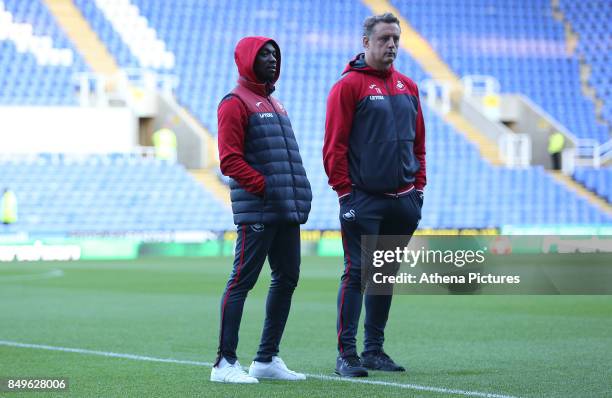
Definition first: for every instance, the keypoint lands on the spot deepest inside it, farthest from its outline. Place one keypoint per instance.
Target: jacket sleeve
(233, 121)
(338, 122)
(420, 178)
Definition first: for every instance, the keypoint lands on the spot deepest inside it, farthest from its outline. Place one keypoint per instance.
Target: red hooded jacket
(232, 116)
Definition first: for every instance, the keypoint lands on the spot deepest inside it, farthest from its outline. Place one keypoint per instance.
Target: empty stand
(26, 79)
(597, 180)
(108, 194)
(520, 44)
(590, 19)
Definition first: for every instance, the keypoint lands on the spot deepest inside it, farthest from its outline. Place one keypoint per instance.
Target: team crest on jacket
(258, 227)
(400, 85)
(349, 215)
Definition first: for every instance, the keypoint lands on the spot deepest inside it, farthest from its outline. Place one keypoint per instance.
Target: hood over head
(245, 54)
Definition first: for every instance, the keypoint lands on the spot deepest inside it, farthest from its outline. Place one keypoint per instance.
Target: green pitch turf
(533, 346)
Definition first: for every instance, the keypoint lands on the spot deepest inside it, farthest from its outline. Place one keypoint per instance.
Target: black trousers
(556, 160)
(363, 213)
(280, 243)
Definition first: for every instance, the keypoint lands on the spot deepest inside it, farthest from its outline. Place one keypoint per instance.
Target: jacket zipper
(399, 157)
(288, 156)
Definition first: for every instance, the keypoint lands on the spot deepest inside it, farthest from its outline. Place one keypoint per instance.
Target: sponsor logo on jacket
(373, 87)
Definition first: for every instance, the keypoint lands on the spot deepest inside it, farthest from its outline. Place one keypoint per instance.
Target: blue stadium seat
(520, 44)
(24, 81)
(523, 46)
(597, 180)
(52, 202)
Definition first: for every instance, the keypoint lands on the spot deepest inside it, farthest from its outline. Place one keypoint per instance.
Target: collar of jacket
(263, 89)
(358, 64)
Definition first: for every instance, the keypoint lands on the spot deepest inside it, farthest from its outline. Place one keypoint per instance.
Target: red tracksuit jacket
(374, 132)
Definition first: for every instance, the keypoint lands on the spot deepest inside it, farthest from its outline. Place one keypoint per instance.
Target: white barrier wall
(67, 129)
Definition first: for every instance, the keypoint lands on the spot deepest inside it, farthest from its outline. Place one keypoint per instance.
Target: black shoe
(378, 360)
(350, 367)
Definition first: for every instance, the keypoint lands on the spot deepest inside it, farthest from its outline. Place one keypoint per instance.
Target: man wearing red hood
(374, 156)
(270, 199)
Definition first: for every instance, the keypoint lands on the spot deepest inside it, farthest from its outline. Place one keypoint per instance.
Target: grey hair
(371, 21)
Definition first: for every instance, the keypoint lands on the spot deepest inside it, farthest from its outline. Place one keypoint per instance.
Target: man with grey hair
(374, 156)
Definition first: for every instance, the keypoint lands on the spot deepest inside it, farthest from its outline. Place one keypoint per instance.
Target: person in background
(164, 142)
(556, 141)
(8, 207)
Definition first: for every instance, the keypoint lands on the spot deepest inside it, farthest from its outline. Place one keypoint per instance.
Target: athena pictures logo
(485, 264)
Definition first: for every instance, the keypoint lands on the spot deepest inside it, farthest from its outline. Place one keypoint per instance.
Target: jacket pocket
(346, 199)
(264, 199)
(379, 168)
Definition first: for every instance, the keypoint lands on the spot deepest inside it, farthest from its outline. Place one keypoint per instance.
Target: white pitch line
(54, 273)
(209, 365)
(418, 387)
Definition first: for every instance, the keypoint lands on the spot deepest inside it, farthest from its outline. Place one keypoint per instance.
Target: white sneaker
(225, 372)
(276, 369)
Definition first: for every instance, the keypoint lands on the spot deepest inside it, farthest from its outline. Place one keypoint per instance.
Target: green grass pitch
(529, 346)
